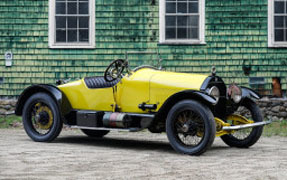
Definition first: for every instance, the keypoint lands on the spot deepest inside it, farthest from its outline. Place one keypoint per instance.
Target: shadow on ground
(130, 144)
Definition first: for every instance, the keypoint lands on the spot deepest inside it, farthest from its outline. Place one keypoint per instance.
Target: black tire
(95, 133)
(30, 123)
(198, 116)
(254, 134)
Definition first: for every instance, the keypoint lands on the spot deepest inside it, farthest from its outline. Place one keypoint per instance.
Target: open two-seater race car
(192, 109)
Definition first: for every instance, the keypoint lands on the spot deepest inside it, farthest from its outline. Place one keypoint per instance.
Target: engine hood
(171, 80)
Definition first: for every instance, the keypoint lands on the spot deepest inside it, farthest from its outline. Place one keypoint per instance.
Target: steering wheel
(115, 69)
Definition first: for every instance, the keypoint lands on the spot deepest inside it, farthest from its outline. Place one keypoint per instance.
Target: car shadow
(130, 144)
(117, 143)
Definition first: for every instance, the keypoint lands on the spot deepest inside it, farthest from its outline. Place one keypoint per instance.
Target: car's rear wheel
(190, 127)
(95, 133)
(41, 118)
(246, 137)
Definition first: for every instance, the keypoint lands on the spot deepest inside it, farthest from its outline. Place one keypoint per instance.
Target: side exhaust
(244, 126)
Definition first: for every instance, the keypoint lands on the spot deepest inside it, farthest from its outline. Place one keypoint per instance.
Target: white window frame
(201, 11)
(52, 29)
(271, 35)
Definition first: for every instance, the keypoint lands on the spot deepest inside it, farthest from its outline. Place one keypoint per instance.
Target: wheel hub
(44, 117)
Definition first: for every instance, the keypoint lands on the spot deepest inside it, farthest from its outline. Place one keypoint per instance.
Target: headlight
(214, 92)
(235, 93)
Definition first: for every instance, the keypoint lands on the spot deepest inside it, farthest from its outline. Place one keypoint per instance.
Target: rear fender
(53, 91)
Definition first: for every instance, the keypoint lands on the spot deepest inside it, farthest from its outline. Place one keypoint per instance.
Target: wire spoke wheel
(244, 138)
(41, 118)
(189, 128)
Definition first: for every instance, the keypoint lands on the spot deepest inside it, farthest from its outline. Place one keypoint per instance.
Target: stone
(275, 109)
(2, 111)
(275, 118)
(275, 103)
(282, 108)
(283, 114)
(285, 104)
(7, 107)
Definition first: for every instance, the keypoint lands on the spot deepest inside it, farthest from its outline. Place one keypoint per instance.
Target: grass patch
(277, 128)
(10, 121)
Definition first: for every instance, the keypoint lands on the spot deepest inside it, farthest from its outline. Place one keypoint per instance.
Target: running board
(107, 129)
(244, 126)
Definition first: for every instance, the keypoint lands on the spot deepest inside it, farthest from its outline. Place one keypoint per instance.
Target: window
(71, 24)
(182, 21)
(277, 23)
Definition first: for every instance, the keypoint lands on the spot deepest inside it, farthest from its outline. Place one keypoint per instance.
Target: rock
(2, 111)
(263, 104)
(285, 104)
(275, 109)
(275, 103)
(275, 118)
(282, 108)
(16, 124)
(13, 103)
(282, 114)
(7, 107)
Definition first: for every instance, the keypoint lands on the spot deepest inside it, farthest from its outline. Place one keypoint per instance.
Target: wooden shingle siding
(235, 34)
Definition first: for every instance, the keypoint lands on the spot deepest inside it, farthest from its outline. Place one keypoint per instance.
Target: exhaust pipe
(244, 126)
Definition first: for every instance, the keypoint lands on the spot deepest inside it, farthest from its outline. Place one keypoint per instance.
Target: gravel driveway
(135, 156)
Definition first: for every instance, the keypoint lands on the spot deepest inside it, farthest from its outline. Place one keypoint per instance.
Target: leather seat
(99, 82)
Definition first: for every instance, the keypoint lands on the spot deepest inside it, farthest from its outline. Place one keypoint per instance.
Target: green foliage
(277, 128)
(10, 121)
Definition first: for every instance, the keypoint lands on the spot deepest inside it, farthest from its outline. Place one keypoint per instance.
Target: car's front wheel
(41, 118)
(190, 127)
(246, 137)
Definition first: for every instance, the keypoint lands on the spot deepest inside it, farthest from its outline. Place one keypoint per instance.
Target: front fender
(187, 94)
(249, 93)
(53, 91)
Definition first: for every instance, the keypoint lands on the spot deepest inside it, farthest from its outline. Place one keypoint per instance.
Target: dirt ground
(135, 156)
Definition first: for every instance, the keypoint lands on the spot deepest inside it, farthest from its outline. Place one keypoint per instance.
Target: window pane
(279, 6)
(83, 8)
(71, 0)
(181, 7)
(60, 22)
(181, 33)
(84, 35)
(193, 33)
(61, 36)
(170, 33)
(84, 22)
(72, 35)
(279, 35)
(279, 21)
(60, 8)
(182, 21)
(72, 8)
(170, 20)
(72, 22)
(170, 7)
(193, 8)
(193, 21)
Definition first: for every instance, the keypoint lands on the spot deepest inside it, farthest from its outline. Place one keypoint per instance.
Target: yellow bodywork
(143, 86)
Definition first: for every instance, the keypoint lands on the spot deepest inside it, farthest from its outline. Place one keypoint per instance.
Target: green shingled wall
(236, 34)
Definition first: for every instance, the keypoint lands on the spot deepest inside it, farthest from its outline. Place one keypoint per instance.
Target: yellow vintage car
(192, 109)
